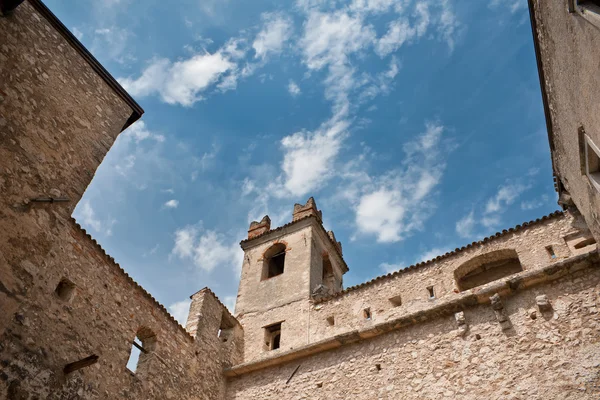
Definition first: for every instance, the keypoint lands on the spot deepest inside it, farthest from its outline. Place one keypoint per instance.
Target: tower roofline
(298, 223)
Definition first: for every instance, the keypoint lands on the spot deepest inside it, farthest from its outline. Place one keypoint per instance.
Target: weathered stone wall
(411, 284)
(568, 45)
(283, 298)
(553, 354)
(58, 118)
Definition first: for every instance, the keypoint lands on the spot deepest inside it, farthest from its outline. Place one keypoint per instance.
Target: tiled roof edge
(112, 261)
(421, 264)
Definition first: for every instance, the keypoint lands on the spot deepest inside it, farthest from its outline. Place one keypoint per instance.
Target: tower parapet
(258, 228)
(310, 208)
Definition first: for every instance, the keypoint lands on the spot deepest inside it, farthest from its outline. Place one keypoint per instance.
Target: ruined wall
(553, 354)
(568, 44)
(58, 118)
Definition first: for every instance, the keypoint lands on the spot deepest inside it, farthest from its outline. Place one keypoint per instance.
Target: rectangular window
(431, 292)
(592, 162)
(396, 300)
(588, 9)
(367, 314)
(273, 336)
(551, 252)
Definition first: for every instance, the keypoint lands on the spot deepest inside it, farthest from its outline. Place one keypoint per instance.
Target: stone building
(512, 316)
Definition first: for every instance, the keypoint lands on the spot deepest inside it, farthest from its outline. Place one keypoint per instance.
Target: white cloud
(138, 132)
(112, 42)
(276, 31)
(389, 268)
(308, 156)
(373, 6)
(505, 196)
(381, 213)
(431, 254)
(172, 203)
(465, 226)
(181, 82)
(207, 250)
(78, 34)
(293, 89)
(512, 5)
(535, 203)
(180, 311)
(398, 33)
(394, 205)
(88, 217)
(229, 302)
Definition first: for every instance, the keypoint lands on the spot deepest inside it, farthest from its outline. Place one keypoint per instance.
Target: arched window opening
(142, 346)
(273, 261)
(225, 331)
(487, 268)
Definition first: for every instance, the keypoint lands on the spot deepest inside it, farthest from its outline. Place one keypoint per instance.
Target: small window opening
(396, 300)
(274, 261)
(319, 384)
(477, 336)
(592, 162)
(143, 344)
(585, 243)
(551, 252)
(331, 320)
(226, 327)
(431, 292)
(328, 277)
(273, 336)
(65, 289)
(367, 314)
(378, 367)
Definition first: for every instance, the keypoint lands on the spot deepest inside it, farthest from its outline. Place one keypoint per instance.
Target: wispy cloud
(206, 249)
(465, 226)
(172, 203)
(396, 204)
(293, 89)
(180, 311)
(276, 31)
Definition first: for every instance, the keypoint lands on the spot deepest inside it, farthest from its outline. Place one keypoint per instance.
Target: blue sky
(416, 124)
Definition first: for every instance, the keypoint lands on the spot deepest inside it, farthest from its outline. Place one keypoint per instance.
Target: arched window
(273, 261)
(143, 344)
(328, 276)
(487, 268)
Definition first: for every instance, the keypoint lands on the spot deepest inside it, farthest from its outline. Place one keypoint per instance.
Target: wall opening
(367, 314)
(226, 327)
(273, 337)
(142, 347)
(551, 252)
(396, 300)
(585, 243)
(273, 261)
(331, 320)
(65, 289)
(592, 162)
(487, 268)
(431, 292)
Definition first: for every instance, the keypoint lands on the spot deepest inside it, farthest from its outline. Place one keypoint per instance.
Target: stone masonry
(513, 316)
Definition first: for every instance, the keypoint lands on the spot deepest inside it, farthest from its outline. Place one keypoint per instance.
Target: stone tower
(283, 270)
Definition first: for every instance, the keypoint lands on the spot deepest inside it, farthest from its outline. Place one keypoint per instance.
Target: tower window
(273, 261)
(273, 336)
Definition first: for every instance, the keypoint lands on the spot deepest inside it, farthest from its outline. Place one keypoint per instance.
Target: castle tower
(283, 270)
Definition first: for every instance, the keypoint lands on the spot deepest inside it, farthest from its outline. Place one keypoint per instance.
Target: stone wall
(569, 58)
(548, 354)
(411, 284)
(62, 299)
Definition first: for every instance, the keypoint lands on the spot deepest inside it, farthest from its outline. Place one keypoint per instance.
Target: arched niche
(487, 268)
